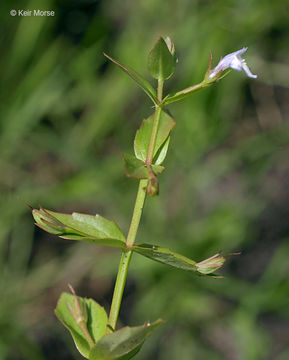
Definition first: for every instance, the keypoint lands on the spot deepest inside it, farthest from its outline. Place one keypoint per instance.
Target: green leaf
(161, 61)
(124, 343)
(168, 257)
(165, 256)
(162, 152)
(144, 84)
(142, 138)
(96, 321)
(131, 354)
(137, 169)
(94, 229)
(134, 167)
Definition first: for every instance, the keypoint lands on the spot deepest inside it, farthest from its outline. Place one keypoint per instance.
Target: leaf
(124, 343)
(165, 256)
(168, 257)
(96, 321)
(137, 169)
(131, 354)
(134, 167)
(144, 84)
(94, 229)
(161, 62)
(142, 138)
(162, 152)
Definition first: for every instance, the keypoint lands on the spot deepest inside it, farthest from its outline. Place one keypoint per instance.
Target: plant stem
(155, 127)
(126, 256)
(183, 93)
(137, 212)
(160, 89)
(134, 224)
(118, 290)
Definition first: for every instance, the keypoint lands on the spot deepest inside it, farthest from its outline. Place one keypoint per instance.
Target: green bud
(211, 264)
(47, 222)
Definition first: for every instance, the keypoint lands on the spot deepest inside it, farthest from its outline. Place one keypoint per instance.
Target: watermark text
(22, 12)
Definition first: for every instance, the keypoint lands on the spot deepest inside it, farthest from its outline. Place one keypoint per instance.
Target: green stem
(126, 256)
(160, 89)
(188, 91)
(134, 224)
(137, 212)
(157, 116)
(118, 290)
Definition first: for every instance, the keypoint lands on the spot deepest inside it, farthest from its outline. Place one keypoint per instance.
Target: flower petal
(248, 71)
(233, 61)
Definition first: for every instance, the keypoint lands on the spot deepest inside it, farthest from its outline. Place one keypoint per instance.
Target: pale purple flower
(233, 61)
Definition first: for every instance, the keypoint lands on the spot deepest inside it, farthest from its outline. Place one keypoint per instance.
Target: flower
(233, 61)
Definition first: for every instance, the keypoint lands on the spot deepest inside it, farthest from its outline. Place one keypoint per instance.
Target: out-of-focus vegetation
(66, 114)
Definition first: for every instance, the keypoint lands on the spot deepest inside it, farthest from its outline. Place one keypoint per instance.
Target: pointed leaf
(162, 152)
(124, 343)
(161, 61)
(142, 138)
(137, 169)
(134, 167)
(144, 84)
(95, 229)
(168, 257)
(96, 321)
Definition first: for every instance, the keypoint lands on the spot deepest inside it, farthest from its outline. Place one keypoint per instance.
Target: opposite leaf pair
(139, 166)
(101, 231)
(161, 64)
(87, 321)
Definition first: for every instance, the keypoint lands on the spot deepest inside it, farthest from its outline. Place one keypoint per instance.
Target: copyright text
(32, 12)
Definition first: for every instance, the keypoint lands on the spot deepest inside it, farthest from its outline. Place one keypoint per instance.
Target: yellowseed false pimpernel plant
(93, 331)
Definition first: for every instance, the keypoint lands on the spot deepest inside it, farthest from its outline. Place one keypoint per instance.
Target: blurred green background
(67, 114)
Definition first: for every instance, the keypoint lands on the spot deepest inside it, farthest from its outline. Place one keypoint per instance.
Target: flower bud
(211, 264)
(47, 222)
